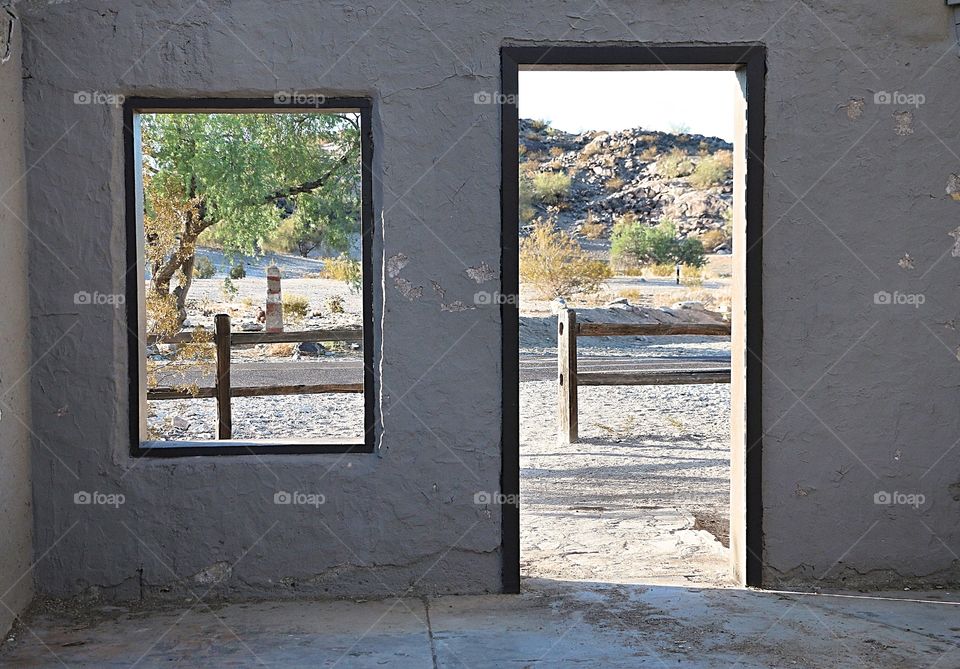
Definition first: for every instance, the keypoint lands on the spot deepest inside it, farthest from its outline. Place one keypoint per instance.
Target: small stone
(181, 423)
(248, 326)
(309, 349)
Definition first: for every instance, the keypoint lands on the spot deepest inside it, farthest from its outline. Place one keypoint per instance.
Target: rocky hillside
(632, 171)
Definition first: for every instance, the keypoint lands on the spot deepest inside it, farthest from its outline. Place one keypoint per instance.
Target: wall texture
(859, 396)
(16, 515)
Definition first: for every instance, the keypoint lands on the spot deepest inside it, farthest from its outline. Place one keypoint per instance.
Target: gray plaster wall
(858, 397)
(16, 511)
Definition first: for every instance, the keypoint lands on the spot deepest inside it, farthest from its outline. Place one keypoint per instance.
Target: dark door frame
(751, 60)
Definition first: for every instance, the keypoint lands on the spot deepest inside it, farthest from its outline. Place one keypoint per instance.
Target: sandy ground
(633, 500)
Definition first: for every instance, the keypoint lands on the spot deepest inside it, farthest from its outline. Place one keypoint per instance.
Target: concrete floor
(552, 624)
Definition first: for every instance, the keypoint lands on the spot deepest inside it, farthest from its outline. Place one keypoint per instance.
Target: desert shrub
(712, 170)
(539, 124)
(674, 164)
(592, 228)
(556, 152)
(691, 275)
(238, 271)
(553, 262)
(228, 291)
(649, 153)
(343, 268)
(335, 305)
(203, 268)
(280, 350)
(614, 184)
(634, 242)
(661, 269)
(522, 149)
(711, 239)
(295, 306)
(551, 187)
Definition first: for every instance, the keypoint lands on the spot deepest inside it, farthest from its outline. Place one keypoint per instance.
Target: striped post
(274, 301)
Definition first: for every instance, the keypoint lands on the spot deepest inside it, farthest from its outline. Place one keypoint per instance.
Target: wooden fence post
(567, 430)
(222, 341)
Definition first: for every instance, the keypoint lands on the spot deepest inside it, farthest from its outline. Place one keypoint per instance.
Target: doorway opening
(632, 182)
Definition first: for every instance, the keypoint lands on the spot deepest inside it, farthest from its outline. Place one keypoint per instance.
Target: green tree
(634, 241)
(239, 177)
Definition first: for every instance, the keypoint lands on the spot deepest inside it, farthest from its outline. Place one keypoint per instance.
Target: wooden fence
(224, 340)
(568, 378)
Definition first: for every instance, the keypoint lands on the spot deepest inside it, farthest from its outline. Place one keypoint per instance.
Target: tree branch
(307, 186)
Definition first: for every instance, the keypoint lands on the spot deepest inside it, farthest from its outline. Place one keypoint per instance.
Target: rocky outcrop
(615, 173)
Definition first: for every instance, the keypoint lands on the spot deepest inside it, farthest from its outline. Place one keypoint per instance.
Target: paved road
(340, 370)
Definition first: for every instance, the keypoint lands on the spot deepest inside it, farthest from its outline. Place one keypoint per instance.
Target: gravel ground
(643, 496)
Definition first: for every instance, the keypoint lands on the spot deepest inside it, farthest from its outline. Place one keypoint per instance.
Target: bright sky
(695, 102)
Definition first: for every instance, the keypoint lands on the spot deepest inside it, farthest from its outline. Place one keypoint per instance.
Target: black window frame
(133, 277)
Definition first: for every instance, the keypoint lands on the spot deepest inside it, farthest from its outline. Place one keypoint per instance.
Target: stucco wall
(858, 397)
(16, 516)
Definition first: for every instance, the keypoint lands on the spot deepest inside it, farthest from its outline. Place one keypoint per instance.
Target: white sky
(696, 102)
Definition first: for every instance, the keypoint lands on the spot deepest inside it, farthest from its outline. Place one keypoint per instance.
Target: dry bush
(614, 184)
(335, 305)
(649, 153)
(635, 296)
(660, 270)
(295, 307)
(691, 276)
(551, 187)
(556, 152)
(712, 170)
(343, 268)
(592, 228)
(553, 262)
(711, 239)
(280, 350)
(674, 164)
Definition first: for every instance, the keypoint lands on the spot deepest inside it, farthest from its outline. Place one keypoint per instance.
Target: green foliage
(634, 242)
(675, 164)
(712, 170)
(229, 290)
(203, 268)
(238, 271)
(551, 187)
(553, 262)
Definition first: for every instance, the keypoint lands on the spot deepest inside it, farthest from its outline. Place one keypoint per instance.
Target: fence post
(567, 430)
(222, 341)
(274, 312)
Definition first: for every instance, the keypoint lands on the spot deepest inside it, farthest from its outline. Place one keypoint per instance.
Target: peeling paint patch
(395, 264)
(213, 574)
(438, 289)
(801, 491)
(482, 272)
(904, 123)
(906, 262)
(854, 108)
(7, 19)
(455, 306)
(953, 186)
(955, 233)
(407, 289)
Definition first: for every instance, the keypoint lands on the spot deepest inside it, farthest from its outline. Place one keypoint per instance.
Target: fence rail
(568, 378)
(224, 340)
